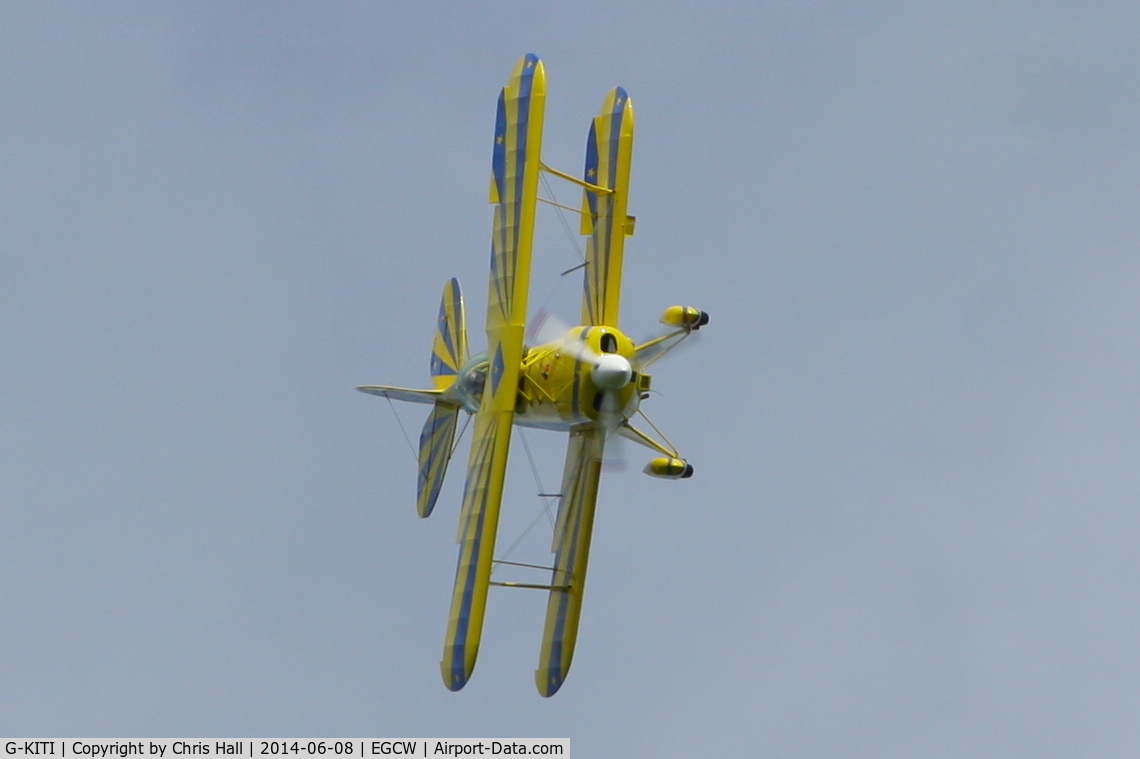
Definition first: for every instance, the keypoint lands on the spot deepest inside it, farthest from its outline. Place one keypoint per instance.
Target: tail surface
(436, 442)
(449, 354)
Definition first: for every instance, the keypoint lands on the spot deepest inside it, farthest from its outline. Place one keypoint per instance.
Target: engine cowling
(669, 468)
(684, 316)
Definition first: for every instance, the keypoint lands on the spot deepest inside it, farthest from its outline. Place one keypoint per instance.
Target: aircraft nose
(612, 372)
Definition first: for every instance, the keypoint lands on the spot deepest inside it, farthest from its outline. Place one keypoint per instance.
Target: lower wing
(572, 552)
(478, 525)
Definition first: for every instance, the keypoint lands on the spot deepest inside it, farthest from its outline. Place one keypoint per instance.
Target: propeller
(670, 340)
(546, 328)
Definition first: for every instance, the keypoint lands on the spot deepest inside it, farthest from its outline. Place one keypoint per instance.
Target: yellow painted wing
(515, 165)
(609, 153)
(514, 191)
(478, 524)
(571, 553)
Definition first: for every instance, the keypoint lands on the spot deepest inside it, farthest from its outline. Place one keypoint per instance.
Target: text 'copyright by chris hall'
(255, 749)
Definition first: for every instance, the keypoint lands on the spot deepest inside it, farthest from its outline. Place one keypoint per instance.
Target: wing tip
(529, 66)
(548, 681)
(456, 674)
(453, 682)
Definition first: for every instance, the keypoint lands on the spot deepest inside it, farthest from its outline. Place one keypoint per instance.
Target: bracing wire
(407, 359)
(408, 440)
(545, 503)
(462, 431)
(537, 479)
(411, 354)
(562, 218)
(570, 236)
(558, 208)
(534, 522)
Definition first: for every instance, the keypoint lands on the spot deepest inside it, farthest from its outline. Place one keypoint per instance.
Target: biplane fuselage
(559, 381)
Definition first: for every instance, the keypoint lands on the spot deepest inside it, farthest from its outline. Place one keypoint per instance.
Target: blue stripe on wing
(603, 151)
(508, 166)
(590, 174)
(499, 171)
(563, 575)
(497, 369)
(606, 233)
(571, 547)
(475, 511)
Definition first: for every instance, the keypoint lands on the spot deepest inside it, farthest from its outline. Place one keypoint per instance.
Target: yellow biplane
(588, 381)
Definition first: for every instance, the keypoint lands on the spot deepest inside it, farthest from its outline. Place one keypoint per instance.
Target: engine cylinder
(669, 468)
(684, 316)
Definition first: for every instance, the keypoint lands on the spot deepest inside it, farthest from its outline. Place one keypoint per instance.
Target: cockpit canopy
(472, 379)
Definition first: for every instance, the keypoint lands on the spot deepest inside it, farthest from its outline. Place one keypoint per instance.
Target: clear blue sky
(914, 417)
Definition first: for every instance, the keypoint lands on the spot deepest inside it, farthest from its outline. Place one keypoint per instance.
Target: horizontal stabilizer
(436, 441)
(402, 393)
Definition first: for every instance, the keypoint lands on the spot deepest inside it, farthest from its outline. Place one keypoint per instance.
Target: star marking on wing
(497, 369)
(591, 173)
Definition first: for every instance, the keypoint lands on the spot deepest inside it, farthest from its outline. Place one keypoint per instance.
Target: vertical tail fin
(449, 354)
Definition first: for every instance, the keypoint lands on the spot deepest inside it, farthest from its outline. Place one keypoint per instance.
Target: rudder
(449, 352)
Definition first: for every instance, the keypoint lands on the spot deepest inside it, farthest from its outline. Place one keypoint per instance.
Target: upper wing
(515, 167)
(514, 191)
(572, 551)
(609, 151)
